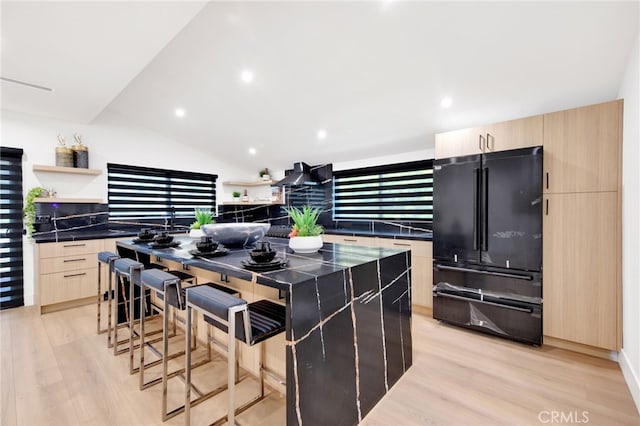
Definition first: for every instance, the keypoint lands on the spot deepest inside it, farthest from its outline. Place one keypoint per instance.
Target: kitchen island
(348, 334)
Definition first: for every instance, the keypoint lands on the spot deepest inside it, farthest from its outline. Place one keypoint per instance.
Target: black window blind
(11, 204)
(144, 193)
(397, 192)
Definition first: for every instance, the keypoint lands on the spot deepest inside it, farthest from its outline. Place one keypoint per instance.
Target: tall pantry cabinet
(582, 225)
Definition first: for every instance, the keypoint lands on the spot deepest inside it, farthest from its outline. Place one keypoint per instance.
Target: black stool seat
(124, 266)
(266, 318)
(107, 256)
(156, 278)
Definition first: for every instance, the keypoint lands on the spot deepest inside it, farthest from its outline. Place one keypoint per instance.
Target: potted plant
(305, 233)
(236, 196)
(264, 174)
(203, 217)
(30, 208)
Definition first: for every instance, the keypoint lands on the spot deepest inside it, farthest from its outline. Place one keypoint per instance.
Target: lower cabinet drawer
(69, 285)
(68, 263)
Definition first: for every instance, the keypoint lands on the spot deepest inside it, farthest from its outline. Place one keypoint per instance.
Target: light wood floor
(55, 370)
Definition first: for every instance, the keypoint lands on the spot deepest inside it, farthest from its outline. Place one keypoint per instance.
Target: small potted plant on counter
(236, 196)
(203, 217)
(305, 236)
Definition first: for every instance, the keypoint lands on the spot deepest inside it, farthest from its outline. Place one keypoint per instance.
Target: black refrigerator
(487, 243)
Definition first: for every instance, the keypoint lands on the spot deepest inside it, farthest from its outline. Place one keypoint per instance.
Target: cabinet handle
(547, 207)
(74, 260)
(547, 174)
(402, 244)
(481, 143)
(488, 146)
(74, 245)
(75, 275)
(350, 240)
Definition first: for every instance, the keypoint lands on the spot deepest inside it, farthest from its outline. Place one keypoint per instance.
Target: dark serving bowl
(163, 238)
(206, 246)
(260, 256)
(146, 235)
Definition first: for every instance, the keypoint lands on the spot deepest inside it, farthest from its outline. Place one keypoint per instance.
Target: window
(11, 268)
(143, 193)
(399, 192)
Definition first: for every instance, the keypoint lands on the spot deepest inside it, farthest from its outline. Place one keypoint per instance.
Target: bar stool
(168, 287)
(253, 323)
(107, 258)
(131, 270)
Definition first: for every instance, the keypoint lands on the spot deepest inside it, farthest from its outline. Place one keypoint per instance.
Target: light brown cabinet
(67, 273)
(582, 148)
(421, 261)
(580, 278)
(520, 133)
(582, 225)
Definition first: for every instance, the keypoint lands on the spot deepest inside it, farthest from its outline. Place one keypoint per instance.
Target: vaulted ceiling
(370, 74)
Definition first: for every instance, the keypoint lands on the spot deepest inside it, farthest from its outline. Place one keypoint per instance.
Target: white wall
(424, 154)
(109, 139)
(630, 355)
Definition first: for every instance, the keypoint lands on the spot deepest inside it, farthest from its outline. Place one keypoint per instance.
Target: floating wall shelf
(67, 200)
(71, 170)
(254, 183)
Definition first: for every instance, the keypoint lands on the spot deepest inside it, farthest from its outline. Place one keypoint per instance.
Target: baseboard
(631, 377)
(67, 305)
(580, 348)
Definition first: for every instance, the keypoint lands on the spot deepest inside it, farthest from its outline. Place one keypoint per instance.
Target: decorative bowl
(236, 234)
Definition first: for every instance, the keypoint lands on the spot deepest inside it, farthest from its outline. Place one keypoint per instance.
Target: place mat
(220, 251)
(158, 246)
(141, 241)
(275, 264)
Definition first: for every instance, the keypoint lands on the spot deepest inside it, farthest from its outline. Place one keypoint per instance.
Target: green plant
(30, 209)
(263, 172)
(203, 217)
(236, 194)
(305, 221)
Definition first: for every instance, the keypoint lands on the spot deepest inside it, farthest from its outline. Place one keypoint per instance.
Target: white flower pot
(196, 233)
(305, 244)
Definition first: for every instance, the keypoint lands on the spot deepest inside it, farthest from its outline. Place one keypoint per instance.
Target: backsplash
(67, 216)
(317, 196)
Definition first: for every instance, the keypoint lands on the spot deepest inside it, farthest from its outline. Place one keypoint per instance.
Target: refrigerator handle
(484, 214)
(476, 199)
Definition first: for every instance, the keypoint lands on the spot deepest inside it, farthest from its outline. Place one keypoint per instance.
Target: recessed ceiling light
(322, 134)
(446, 102)
(252, 151)
(246, 76)
(179, 112)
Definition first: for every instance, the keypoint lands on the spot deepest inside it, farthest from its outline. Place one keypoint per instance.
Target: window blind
(11, 205)
(398, 192)
(150, 194)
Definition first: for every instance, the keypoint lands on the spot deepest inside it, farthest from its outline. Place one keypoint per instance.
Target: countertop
(402, 235)
(330, 259)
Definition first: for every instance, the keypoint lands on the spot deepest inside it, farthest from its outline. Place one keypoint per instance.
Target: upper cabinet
(581, 148)
(512, 134)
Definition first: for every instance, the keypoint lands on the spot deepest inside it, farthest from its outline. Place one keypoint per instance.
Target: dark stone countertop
(91, 234)
(331, 258)
(79, 235)
(404, 235)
